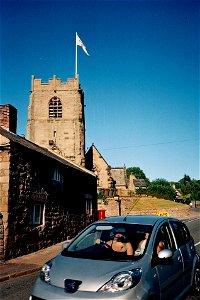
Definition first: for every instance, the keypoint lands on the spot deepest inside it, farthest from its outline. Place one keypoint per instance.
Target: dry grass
(149, 203)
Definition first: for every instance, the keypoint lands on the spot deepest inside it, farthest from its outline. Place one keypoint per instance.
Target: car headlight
(122, 281)
(44, 274)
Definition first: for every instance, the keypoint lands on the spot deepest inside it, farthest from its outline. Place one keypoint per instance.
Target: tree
(185, 180)
(136, 171)
(195, 196)
(160, 182)
(186, 185)
(161, 188)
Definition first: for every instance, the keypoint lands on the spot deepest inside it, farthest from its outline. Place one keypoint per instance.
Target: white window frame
(88, 204)
(88, 207)
(37, 217)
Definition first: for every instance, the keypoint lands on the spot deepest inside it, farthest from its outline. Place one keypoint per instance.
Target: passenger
(141, 245)
(118, 244)
(160, 246)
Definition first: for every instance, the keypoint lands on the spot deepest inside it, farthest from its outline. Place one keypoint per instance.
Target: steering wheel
(104, 244)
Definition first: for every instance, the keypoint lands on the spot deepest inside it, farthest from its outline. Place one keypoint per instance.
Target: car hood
(91, 273)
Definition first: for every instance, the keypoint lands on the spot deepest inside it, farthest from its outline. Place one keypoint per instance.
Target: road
(20, 288)
(194, 227)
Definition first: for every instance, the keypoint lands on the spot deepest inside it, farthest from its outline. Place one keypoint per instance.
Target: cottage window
(57, 175)
(55, 108)
(88, 207)
(37, 213)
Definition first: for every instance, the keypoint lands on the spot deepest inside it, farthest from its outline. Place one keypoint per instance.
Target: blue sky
(141, 80)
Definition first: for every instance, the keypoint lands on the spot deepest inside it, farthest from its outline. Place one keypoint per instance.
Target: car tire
(196, 281)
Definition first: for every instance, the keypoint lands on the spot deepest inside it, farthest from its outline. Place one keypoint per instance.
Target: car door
(170, 270)
(186, 246)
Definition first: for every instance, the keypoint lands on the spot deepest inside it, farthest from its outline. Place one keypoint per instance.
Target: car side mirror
(165, 253)
(64, 246)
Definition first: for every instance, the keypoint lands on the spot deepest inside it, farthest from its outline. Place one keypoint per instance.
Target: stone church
(56, 121)
(56, 118)
(48, 184)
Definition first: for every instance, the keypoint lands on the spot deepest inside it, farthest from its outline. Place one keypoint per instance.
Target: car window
(109, 241)
(181, 233)
(164, 239)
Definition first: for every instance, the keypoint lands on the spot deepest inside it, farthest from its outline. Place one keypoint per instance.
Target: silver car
(126, 257)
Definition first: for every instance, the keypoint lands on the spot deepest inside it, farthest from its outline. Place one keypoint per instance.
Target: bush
(161, 188)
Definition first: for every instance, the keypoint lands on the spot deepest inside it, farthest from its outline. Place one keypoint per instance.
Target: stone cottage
(44, 198)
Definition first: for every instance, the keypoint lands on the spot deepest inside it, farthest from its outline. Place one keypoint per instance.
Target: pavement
(33, 262)
(29, 263)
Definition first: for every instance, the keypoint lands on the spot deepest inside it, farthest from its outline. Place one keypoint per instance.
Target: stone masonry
(129, 204)
(4, 188)
(8, 117)
(56, 117)
(30, 177)
(96, 163)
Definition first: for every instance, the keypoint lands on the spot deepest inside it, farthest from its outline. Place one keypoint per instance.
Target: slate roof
(28, 144)
(139, 183)
(118, 175)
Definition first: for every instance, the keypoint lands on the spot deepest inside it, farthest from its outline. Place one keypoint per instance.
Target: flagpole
(76, 59)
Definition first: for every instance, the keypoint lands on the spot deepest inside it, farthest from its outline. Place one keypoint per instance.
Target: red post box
(101, 214)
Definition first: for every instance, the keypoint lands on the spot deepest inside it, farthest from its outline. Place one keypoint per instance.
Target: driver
(118, 243)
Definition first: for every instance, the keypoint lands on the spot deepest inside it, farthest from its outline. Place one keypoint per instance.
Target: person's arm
(98, 241)
(139, 245)
(129, 249)
(160, 246)
(138, 250)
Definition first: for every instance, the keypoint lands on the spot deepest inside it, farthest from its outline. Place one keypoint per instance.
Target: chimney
(8, 117)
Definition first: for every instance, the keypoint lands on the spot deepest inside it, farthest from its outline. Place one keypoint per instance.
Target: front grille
(36, 298)
(71, 285)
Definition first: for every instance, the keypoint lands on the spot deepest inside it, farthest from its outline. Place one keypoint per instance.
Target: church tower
(56, 117)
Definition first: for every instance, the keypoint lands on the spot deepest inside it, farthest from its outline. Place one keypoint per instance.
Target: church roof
(139, 183)
(94, 148)
(119, 175)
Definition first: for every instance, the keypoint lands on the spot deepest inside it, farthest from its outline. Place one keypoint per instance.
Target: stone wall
(127, 207)
(1, 238)
(96, 163)
(65, 134)
(8, 117)
(29, 179)
(112, 207)
(4, 188)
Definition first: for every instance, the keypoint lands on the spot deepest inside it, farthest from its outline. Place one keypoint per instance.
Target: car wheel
(196, 281)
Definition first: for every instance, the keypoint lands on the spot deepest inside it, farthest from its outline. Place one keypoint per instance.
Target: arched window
(55, 108)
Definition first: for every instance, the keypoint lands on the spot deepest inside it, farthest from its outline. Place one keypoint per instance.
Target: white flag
(80, 43)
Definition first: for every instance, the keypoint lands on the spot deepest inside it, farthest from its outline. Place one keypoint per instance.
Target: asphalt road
(194, 227)
(18, 288)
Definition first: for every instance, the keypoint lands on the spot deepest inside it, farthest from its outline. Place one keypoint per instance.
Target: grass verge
(148, 203)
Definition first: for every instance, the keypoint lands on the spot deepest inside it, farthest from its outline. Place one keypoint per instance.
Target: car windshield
(110, 241)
